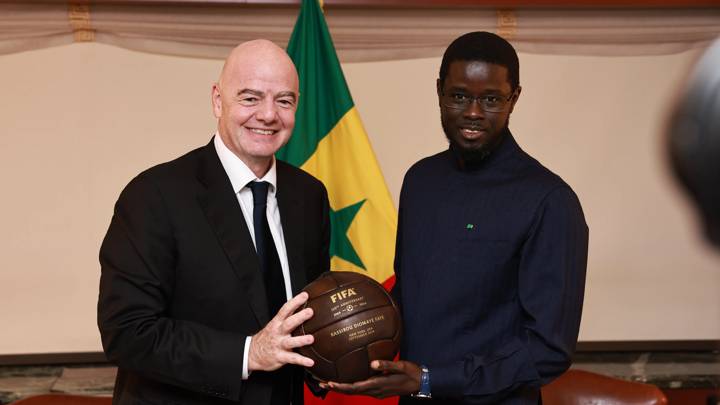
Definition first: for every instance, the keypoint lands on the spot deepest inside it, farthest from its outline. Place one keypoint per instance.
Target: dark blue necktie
(274, 282)
(266, 250)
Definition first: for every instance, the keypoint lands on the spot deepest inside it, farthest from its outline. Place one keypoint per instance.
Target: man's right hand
(272, 347)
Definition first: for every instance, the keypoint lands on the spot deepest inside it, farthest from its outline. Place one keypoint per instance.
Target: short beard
(471, 157)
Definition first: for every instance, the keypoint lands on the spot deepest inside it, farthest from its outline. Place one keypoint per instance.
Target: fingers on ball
(298, 341)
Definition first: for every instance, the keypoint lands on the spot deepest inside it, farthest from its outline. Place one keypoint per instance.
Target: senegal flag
(330, 143)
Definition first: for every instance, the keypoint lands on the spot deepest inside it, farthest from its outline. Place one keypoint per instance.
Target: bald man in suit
(206, 254)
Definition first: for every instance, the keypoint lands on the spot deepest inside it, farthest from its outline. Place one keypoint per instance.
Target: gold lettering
(342, 294)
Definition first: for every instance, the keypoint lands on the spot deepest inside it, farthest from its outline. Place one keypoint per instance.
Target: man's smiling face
(255, 103)
(471, 130)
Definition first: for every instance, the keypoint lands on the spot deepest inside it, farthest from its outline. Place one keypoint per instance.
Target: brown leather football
(354, 322)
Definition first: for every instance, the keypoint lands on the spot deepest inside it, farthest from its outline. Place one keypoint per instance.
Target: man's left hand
(396, 378)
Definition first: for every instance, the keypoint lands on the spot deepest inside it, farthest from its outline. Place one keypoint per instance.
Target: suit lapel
(291, 217)
(223, 212)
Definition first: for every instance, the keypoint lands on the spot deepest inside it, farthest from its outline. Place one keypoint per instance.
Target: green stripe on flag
(322, 85)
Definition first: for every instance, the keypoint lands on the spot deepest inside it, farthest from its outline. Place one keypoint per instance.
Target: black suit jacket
(181, 286)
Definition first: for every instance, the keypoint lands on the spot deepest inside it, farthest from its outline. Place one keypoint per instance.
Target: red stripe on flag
(333, 398)
(389, 283)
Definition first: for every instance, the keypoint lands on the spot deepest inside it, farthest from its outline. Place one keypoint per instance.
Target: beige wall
(77, 122)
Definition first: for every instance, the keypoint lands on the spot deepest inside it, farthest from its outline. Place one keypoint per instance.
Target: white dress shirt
(240, 175)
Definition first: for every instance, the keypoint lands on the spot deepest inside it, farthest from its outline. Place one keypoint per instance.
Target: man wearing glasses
(491, 251)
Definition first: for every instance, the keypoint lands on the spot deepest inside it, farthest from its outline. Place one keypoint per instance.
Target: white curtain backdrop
(359, 34)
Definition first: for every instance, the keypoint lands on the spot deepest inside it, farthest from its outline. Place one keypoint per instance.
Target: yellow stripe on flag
(345, 162)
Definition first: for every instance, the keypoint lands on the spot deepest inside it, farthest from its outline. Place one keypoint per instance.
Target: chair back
(578, 387)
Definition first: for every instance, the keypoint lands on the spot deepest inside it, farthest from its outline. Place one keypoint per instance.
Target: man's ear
(216, 100)
(515, 99)
(439, 89)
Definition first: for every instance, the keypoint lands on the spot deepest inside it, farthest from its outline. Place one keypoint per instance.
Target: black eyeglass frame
(478, 99)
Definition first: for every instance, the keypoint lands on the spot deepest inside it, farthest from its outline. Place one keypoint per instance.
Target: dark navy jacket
(490, 265)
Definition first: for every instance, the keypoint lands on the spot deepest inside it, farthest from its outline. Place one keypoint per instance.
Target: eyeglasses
(487, 102)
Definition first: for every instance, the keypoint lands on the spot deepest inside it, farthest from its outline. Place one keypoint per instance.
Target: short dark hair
(485, 47)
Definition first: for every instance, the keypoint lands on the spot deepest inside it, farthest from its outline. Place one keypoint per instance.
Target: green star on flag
(340, 245)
